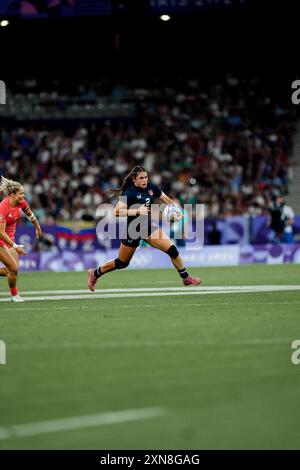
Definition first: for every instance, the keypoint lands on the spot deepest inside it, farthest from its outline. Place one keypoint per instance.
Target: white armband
(31, 217)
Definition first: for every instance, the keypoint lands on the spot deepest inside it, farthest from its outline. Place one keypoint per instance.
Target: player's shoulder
(154, 188)
(130, 190)
(129, 195)
(4, 203)
(4, 210)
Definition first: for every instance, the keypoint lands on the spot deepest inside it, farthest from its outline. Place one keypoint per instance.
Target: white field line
(118, 296)
(78, 422)
(161, 289)
(112, 294)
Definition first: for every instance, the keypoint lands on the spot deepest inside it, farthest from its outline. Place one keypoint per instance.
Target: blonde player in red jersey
(10, 213)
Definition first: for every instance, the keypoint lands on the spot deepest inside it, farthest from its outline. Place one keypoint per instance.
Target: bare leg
(3, 272)
(125, 255)
(161, 241)
(10, 260)
(12, 277)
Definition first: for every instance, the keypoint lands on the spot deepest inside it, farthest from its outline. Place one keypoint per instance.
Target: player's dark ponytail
(127, 181)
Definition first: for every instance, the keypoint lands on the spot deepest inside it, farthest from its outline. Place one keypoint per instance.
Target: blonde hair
(9, 187)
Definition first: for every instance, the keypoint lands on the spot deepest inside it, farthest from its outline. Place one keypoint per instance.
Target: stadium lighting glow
(165, 17)
(4, 23)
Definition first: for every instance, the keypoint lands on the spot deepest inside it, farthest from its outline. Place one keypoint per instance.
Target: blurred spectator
(281, 221)
(214, 234)
(223, 146)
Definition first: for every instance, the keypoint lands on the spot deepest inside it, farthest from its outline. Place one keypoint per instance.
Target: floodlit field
(148, 366)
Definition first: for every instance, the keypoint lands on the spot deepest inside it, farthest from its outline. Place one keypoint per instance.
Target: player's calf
(178, 263)
(119, 264)
(95, 274)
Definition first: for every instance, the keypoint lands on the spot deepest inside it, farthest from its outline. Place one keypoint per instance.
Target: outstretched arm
(121, 210)
(166, 199)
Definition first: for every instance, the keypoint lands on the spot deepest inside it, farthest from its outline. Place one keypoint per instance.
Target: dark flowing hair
(127, 181)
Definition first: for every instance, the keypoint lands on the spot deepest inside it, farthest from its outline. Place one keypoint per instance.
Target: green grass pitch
(219, 364)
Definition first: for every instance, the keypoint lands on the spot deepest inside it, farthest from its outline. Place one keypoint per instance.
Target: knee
(173, 252)
(121, 264)
(13, 269)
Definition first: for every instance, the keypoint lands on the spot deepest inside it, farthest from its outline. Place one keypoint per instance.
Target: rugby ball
(172, 213)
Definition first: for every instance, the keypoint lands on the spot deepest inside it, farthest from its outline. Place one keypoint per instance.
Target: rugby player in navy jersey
(136, 190)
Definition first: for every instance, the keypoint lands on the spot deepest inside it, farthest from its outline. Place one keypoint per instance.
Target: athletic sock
(98, 273)
(13, 291)
(183, 273)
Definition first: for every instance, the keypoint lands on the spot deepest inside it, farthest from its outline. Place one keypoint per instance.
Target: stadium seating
(226, 144)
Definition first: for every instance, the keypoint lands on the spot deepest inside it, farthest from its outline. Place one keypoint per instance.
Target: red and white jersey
(10, 217)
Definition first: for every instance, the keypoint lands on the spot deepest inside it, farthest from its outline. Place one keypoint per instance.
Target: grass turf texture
(219, 364)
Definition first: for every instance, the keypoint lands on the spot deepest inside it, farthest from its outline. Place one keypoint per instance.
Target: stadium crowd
(226, 145)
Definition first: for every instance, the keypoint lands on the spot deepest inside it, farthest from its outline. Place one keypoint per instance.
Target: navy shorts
(134, 242)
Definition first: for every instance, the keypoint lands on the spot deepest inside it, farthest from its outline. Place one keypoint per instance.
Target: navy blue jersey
(135, 198)
(142, 196)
